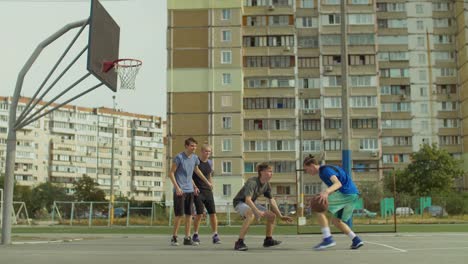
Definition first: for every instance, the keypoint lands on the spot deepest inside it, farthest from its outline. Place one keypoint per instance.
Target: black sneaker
(174, 241)
(270, 242)
(240, 246)
(188, 241)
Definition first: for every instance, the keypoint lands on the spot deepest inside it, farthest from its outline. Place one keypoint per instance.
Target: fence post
(152, 214)
(53, 211)
(170, 215)
(128, 213)
(90, 220)
(229, 213)
(71, 213)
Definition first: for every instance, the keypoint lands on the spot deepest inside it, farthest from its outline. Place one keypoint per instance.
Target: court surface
(379, 248)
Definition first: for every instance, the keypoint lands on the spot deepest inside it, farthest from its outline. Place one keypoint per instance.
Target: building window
(307, 3)
(283, 190)
(313, 188)
(368, 144)
(249, 167)
(331, 19)
(226, 57)
(227, 167)
(226, 78)
(364, 123)
(226, 35)
(420, 25)
(332, 123)
(311, 124)
(227, 144)
(227, 122)
(226, 100)
(420, 42)
(226, 14)
(332, 102)
(419, 9)
(332, 144)
(422, 75)
(311, 145)
(227, 189)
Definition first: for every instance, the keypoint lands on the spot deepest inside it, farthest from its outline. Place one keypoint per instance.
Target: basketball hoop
(127, 69)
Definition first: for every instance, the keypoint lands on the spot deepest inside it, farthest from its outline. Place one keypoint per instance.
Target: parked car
(364, 213)
(405, 211)
(118, 212)
(435, 211)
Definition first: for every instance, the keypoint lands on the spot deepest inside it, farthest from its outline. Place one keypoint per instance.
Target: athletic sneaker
(196, 239)
(240, 246)
(216, 239)
(270, 242)
(188, 241)
(326, 243)
(357, 243)
(174, 241)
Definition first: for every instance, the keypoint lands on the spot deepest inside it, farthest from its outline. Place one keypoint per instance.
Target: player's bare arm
(251, 204)
(173, 180)
(277, 212)
(335, 186)
(200, 174)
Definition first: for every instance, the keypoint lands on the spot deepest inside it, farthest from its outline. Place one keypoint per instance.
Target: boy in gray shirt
(244, 203)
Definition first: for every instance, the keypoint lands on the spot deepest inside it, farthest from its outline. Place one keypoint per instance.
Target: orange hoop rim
(108, 65)
(132, 63)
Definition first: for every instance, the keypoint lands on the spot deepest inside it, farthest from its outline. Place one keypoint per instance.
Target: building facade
(74, 141)
(273, 69)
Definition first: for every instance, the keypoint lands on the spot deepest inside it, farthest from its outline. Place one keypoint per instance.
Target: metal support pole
(12, 122)
(346, 150)
(111, 208)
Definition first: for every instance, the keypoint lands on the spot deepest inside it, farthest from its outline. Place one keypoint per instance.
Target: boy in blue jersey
(183, 166)
(341, 194)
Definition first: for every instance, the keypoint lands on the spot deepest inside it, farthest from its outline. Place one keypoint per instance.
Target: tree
(44, 195)
(86, 189)
(432, 171)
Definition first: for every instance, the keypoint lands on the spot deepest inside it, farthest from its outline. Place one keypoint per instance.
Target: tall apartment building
(74, 141)
(274, 67)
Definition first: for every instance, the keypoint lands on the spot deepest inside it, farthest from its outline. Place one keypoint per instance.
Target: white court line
(388, 246)
(45, 241)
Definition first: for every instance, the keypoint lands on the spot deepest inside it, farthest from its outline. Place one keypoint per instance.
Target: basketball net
(127, 69)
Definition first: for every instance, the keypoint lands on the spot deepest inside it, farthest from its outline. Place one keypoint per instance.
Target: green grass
(233, 230)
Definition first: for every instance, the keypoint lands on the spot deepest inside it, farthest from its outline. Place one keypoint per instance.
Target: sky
(143, 24)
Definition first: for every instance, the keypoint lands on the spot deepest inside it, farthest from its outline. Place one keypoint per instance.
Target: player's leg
(178, 213)
(348, 202)
(246, 212)
(197, 200)
(327, 240)
(270, 225)
(188, 203)
(208, 202)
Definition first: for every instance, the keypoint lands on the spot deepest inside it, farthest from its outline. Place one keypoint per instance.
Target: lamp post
(111, 207)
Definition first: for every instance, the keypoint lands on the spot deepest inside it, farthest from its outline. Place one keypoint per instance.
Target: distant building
(75, 141)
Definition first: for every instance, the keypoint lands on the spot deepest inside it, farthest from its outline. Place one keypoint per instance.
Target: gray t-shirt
(185, 167)
(253, 188)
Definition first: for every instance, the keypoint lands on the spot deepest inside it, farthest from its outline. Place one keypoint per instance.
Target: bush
(455, 204)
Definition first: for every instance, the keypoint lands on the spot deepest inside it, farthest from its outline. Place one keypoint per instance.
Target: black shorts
(183, 204)
(204, 200)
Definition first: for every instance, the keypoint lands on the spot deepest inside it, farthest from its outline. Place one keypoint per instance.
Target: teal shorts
(342, 205)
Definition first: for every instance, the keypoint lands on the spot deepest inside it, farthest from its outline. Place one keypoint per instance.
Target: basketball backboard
(103, 46)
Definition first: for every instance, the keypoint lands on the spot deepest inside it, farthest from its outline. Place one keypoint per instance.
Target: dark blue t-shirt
(348, 186)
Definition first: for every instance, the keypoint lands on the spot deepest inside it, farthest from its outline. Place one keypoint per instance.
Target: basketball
(317, 206)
